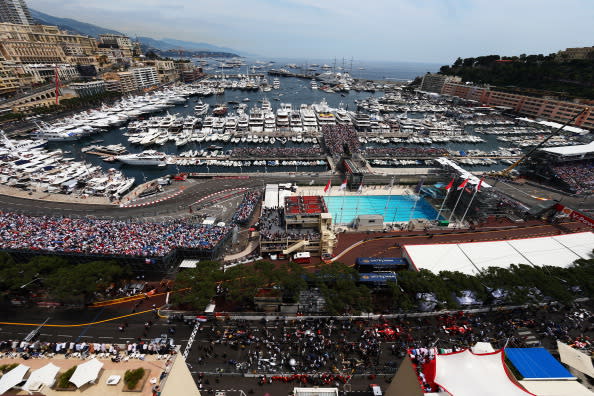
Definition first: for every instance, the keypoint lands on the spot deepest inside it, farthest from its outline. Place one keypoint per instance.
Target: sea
(292, 90)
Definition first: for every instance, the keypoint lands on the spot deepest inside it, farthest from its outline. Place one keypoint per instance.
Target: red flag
(328, 185)
(343, 185)
(449, 186)
(478, 186)
(461, 186)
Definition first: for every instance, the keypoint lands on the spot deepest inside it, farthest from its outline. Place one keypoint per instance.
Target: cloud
(414, 30)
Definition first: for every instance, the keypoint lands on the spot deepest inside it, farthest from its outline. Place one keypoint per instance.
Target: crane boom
(507, 170)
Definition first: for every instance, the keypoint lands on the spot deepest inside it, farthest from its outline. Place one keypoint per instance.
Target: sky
(433, 31)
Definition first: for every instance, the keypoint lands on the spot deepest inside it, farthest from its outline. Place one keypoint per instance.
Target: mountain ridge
(165, 44)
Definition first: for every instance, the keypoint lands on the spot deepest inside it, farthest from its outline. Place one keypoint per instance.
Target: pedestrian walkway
(43, 196)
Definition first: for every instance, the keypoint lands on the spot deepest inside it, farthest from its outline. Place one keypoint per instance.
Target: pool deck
(371, 190)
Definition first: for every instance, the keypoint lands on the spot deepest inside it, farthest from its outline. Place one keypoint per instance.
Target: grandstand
(570, 168)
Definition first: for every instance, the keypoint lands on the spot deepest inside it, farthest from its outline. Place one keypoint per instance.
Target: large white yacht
(324, 114)
(361, 121)
(282, 116)
(308, 118)
(256, 120)
(147, 157)
(201, 108)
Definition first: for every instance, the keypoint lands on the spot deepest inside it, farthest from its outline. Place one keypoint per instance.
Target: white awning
(13, 378)
(482, 347)
(579, 149)
(189, 263)
(576, 359)
(45, 375)
(86, 372)
(467, 374)
(556, 388)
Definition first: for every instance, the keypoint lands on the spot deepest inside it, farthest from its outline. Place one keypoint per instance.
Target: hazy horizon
(422, 31)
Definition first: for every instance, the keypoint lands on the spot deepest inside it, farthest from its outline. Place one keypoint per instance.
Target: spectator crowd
(276, 152)
(405, 151)
(339, 137)
(246, 208)
(579, 177)
(105, 237)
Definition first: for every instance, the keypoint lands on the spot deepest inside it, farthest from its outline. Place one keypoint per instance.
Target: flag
(360, 189)
(392, 182)
(311, 183)
(343, 185)
(478, 186)
(328, 185)
(461, 186)
(450, 185)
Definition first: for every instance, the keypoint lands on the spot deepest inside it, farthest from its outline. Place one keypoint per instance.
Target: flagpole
(468, 207)
(443, 203)
(456, 205)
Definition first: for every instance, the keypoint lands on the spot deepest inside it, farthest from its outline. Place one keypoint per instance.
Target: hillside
(71, 25)
(167, 46)
(532, 74)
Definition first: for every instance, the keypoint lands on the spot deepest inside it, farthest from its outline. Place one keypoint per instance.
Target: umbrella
(86, 372)
(45, 375)
(13, 377)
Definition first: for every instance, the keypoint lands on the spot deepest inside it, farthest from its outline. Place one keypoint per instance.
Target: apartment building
(15, 11)
(44, 44)
(575, 53)
(145, 77)
(9, 81)
(545, 108)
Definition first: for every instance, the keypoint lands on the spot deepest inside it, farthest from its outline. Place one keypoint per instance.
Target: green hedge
(5, 368)
(64, 378)
(131, 377)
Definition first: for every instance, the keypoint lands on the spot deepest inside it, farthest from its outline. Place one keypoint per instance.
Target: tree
(79, 283)
(202, 282)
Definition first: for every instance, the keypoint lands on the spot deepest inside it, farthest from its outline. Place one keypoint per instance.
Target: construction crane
(554, 133)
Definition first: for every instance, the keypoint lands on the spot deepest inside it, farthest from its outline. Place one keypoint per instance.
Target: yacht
(361, 121)
(308, 118)
(295, 122)
(276, 83)
(269, 122)
(201, 108)
(324, 114)
(207, 125)
(282, 117)
(342, 116)
(147, 157)
(243, 122)
(314, 84)
(22, 145)
(256, 120)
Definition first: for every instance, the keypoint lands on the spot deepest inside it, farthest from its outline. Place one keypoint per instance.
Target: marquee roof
(468, 374)
(473, 257)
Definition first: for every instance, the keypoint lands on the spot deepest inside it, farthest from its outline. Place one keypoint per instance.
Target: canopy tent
(468, 374)
(536, 363)
(86, 372)
(474, 257)
(45, 375)
(13, 378)
(556, 388)
(482, 347)
(576, 359)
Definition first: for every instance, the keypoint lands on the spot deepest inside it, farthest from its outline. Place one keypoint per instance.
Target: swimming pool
(394, 208)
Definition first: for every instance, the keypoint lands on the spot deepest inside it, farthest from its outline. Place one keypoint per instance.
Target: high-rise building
(15, 11)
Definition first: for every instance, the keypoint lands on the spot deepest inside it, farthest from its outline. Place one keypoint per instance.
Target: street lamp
(28, 283)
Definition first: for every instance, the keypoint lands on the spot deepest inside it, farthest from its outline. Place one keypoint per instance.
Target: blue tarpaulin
(536, 363)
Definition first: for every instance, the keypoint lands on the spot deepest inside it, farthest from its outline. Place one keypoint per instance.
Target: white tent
(576, 359)
(473, 257)
(482, 347)
(45, 375)
(467, 374)
(12, 378)
(556, 388)
(86, 372)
